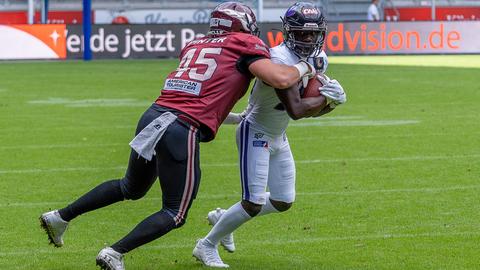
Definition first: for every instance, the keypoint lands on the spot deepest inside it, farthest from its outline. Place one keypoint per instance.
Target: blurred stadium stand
(337, 10)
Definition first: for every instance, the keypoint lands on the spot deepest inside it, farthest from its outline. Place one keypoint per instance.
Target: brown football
(312, 88)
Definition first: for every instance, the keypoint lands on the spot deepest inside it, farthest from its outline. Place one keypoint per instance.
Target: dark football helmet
(233, 17)
(304, 29)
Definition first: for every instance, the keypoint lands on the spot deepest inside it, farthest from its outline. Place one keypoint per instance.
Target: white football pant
(265, 161)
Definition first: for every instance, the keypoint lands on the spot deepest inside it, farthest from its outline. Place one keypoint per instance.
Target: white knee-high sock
(268, 208)
(233, 218)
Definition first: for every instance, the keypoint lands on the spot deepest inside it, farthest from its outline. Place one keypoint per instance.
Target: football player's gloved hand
(306, 70)
(332, 90)
(234, 118)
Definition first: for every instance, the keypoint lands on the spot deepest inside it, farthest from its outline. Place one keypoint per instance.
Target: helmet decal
(290, 11)
(310, 25)
(220, 22)
(233, 17)
(310, 11)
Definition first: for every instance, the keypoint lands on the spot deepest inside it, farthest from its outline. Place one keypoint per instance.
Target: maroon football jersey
(207, 83)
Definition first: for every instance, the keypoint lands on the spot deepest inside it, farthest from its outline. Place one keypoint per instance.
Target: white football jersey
(261, 110)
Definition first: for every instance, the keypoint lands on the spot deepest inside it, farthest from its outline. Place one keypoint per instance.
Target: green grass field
(390, 180)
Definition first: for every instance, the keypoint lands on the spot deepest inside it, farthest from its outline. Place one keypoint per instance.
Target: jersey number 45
(202, 59)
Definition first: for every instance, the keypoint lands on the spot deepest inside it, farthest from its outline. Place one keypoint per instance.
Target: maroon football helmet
(233, 17)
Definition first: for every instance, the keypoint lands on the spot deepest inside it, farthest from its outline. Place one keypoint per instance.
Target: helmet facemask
(304, 29)
(252, 25)
(303, 40)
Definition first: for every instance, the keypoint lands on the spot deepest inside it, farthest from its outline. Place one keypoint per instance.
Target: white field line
(410, 158)
(67, 145)
(101, 102)
(347, 121)
(342, 137)
(310, 161)
(117, 116)
(436, 61)
(63, 129)
(355, 123)
(306, 194)
(399, 190)
(297, 138)
(379, 237)
(54, 170)
(350, 123)
(411, 105)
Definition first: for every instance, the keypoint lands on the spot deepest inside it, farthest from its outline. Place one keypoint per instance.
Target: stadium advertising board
(134, 41)
(33, 41)
(159, 41)
(403, 38)
(167, 40)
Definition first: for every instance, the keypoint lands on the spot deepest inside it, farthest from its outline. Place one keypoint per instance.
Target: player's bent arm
(325, 110)
(297, 107)
(277, 75)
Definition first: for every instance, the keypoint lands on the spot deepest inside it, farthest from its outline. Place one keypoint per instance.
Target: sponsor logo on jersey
(319, 63)
(186, 86)
(260, 144)
(258, 135)
(258, 47)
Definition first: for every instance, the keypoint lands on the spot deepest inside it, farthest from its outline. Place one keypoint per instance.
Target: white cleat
(55, 227)
(227, 242)
(109, 259)
(207, 253)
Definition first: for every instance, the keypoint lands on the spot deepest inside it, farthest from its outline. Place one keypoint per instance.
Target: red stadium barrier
(425, 14)
(54, 17)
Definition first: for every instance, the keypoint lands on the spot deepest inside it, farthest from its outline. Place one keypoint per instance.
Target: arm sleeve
(244, 62)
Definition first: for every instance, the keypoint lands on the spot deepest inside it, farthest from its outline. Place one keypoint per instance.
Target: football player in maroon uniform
(214, 73)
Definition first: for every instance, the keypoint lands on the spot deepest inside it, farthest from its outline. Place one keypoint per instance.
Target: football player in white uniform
(265, 156)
